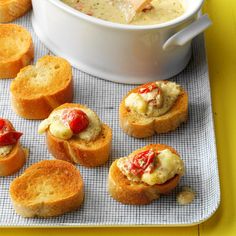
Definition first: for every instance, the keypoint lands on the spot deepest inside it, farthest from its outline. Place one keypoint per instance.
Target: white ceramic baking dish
(121, 53)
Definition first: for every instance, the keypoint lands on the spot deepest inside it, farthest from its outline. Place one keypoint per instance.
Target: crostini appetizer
(16, 50)
(12, 9)
(12, 155)
(157, 107)
(75, 133)
(47, 188)
(145, 174)
(39, 89)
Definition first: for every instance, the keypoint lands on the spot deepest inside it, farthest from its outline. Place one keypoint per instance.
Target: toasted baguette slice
(87, 153)
(139, 5)
(47, 188)
(131, 7)
(16, 50)
(13, 161)
(139, 126)
(127, 192)
(38, 89)
(12, 9)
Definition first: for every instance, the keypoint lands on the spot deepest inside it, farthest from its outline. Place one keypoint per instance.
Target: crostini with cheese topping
(145, 174)
(75, 133)
(157, 107)
(12, 155)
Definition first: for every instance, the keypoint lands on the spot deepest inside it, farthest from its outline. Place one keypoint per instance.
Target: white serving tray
(195, 141)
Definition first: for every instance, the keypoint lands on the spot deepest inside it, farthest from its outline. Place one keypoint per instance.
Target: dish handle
(188, 33)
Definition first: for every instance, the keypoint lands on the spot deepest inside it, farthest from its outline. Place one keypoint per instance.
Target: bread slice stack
(38, 89)
(48, 188)
(16, 49)
(12, 9)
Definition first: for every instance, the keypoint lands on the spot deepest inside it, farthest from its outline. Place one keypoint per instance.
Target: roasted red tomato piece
(141, 161)
(77, 120)
(147, 88)
(8, 135)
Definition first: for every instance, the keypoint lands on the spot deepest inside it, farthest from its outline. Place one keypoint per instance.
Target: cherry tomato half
(77, 120)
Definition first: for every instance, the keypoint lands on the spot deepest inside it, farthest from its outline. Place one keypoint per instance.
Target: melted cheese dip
(162, 11)
(169, 165)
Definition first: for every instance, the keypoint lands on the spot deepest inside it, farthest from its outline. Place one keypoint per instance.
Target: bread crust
(90, 154)
(127, 192)
(14, 161)
(47, 188)
(12, 9)
(141, 127)
(11, 65)
(40, 106)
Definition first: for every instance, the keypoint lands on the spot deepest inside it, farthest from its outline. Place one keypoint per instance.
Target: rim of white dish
(114, 25)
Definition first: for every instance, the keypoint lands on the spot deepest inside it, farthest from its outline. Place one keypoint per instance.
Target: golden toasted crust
(141, 127)
(89, 154)
(47, 188)
(38, 89)
(13, 161)
(16, 49)
(12, 9)
(127, 192)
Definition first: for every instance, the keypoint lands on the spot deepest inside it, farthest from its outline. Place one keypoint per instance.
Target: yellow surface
(221, 48)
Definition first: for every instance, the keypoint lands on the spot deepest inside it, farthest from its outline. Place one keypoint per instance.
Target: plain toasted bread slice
(13, 161)
(12, 9)
(16, 50)
(48, 188)
(127, 192)
(87, 153)
(139, 126)
(38, 89)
